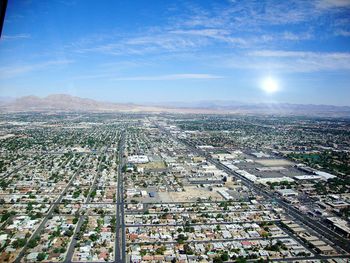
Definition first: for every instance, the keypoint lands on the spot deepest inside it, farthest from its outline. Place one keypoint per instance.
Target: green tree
(225, 256)
(217, 260)
(41, 256)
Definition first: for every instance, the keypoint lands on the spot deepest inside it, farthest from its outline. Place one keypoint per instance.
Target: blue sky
(157, 51)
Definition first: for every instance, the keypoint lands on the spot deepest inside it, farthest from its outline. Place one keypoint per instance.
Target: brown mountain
(63, 102)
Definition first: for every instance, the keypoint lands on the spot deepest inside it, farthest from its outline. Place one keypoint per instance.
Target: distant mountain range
(63, 102)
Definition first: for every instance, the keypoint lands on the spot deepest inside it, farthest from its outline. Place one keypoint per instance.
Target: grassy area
(335, 162)
(158, 165)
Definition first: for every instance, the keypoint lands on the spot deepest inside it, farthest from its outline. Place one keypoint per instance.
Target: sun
(269, 85)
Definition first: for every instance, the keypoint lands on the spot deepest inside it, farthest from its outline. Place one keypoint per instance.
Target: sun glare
(269, 85)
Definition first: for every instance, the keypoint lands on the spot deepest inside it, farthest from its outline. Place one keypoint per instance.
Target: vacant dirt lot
(192, 193)
(274, 162)
(157, 165)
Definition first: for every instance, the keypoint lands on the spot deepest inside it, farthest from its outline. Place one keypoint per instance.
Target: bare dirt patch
(192, 193)
(158, 165)
(274, 162)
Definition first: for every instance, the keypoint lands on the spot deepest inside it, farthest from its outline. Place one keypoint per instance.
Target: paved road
(120, 243)
(50, 212)
(201, 224)
(8, 174)
(211, 240)
(295, 237)
(329, 234)
(138, 212)
(70, 252)
(296, 259)
(293, 212)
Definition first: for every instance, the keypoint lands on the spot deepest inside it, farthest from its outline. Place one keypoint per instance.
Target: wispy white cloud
(203, 28)
(255, 17)
(304, 54)
(342, 32)
(292, 61)
(209, 32)
(297, 36)
(213, 33)
(242, 25)
(67, 2)
(140, 44)
(171, 77)
(14, 37)
(10, 18)
(326, 4)
(250, 15)
(15, 70)
(237, 28)
(179, 40)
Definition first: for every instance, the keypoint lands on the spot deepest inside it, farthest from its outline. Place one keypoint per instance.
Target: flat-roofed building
(287, 192)
(138, 159)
